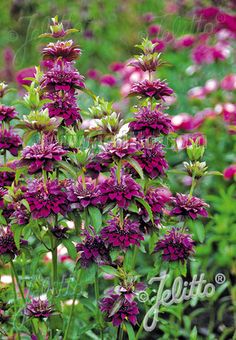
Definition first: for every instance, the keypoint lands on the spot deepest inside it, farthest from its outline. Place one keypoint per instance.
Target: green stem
(73, 305)
(118, 172)
(139, 331)
(120, 333)
(99, 316)
(194, 182)
(18, 281)
(134, 256)
(5, 157)
(54, 264)
(121, 218)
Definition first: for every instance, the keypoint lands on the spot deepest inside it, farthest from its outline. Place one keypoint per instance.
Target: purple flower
(41, 156)
(38, 308)
(122, 236)
(92, 250)
(46, 198)
(10, 141)
(147, 88)
(94, 167)
(59, 232)
(108, 80)
(117, 151)
(157, 198)
(62, 77)
(7, 113)
(82, 197)
(175, 246)
(63, 105)
(149, 123)
(152, 160)
(118, 309)
(7, 243)
(2, 193)
(122, 193)
(188, 206)
(61, 49)
(20, 215)
(6, 177)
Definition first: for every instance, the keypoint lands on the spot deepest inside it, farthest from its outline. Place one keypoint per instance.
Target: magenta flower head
(38, 308)
(46, 198)
(151, 89)
(118, 150)
(175, 246)
(10, 141)
(20, 215)
(122, 236)
(122, 193)
(7, 243)
(108, 80)
(92, 250)
(7, 177)
(149, 123)
(118, 309)
(188, 206)
(2, 193)
(152, 160)
(41, 156)
(157, 198)
(62, 77)
(7, 113)
(82, 197)
(61, 49)
(230, 172)
(63, 105)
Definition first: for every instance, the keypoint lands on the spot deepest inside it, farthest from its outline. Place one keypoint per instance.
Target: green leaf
(193, 334)
(70, 248)
(130, 331)
(136, 166)
(133, 208)
(2, 219)
(55, 321)
(199, 230)
(17, 231)
(146, 206)
(96, 217)
(110, 270)
(68, 168)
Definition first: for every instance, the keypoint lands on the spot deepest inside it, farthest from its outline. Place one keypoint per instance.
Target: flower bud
(196, 169)
(195, 151)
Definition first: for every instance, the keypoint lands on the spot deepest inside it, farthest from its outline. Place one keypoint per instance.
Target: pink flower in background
(148, 17)
(161, 45)
(185, 41)
(230, 172)
(183, 121)
(116, 66)
(211, 85)
(186, 140)
(201, 116)
(197, 92)
(154, 30)
(93, 74)
(108, 80)
(228, 83)
(21, 75)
